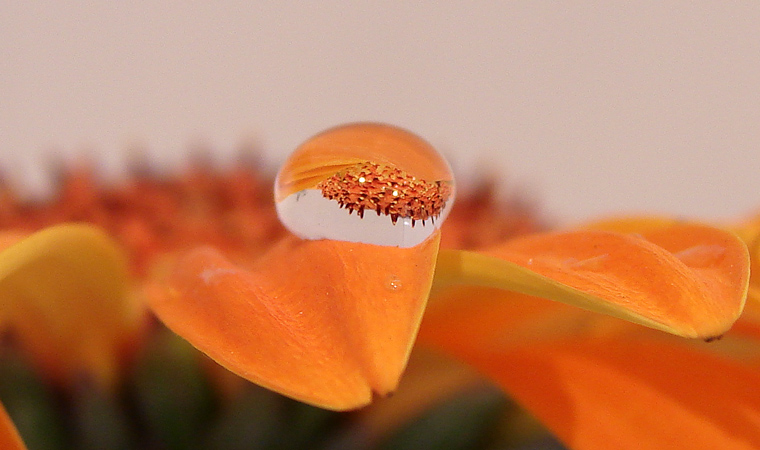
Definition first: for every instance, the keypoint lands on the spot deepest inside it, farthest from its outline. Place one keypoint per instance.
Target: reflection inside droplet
(368, 183)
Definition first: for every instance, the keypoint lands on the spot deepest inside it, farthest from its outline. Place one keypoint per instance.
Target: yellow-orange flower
(331, 322)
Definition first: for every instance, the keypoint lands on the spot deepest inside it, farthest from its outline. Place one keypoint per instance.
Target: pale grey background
(593, 107)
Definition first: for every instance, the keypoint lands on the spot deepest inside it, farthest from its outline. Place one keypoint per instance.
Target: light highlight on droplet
(365, 182)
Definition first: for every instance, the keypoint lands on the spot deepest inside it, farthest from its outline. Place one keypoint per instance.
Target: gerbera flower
(332, 321)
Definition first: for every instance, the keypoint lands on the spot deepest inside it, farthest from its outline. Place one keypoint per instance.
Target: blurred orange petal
(490, 318)
(687, 279)
(326, 322)
(749, 231)
(598, 382)
(749, 323)
(9, 437)
(631, 224)
(601, 394)
(65, 295)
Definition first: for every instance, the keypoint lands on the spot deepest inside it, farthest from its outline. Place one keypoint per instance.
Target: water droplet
(394, 284)
(591, 263)
(701, 255)
(365, 182)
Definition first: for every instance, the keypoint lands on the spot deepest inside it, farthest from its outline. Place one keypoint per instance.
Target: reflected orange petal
(326, 322)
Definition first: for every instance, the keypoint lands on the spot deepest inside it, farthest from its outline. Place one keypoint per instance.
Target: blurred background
(589, 107)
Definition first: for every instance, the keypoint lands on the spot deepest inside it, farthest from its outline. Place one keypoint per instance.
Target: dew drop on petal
(701, 255)
(365, 182)
(592, 263)
(394, 283)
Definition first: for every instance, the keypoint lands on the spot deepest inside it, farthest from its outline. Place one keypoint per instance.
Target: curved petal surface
(326, 322)
(686, 279)
(596, 381)
(600, 394)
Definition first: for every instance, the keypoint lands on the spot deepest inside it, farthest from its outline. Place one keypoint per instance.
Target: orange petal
(749, 231)
(686, 279)
(749, 323)
(598, 382)
(325, 322)
(9, 437)
(487, 318)
(601, 394)
(631, 224)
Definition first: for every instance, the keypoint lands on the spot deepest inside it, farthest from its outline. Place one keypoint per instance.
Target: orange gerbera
(331, 322)
(329, 313)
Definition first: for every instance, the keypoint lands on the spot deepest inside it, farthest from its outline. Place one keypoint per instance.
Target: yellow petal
(64, 292)
(326, 322)
(686, 279)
